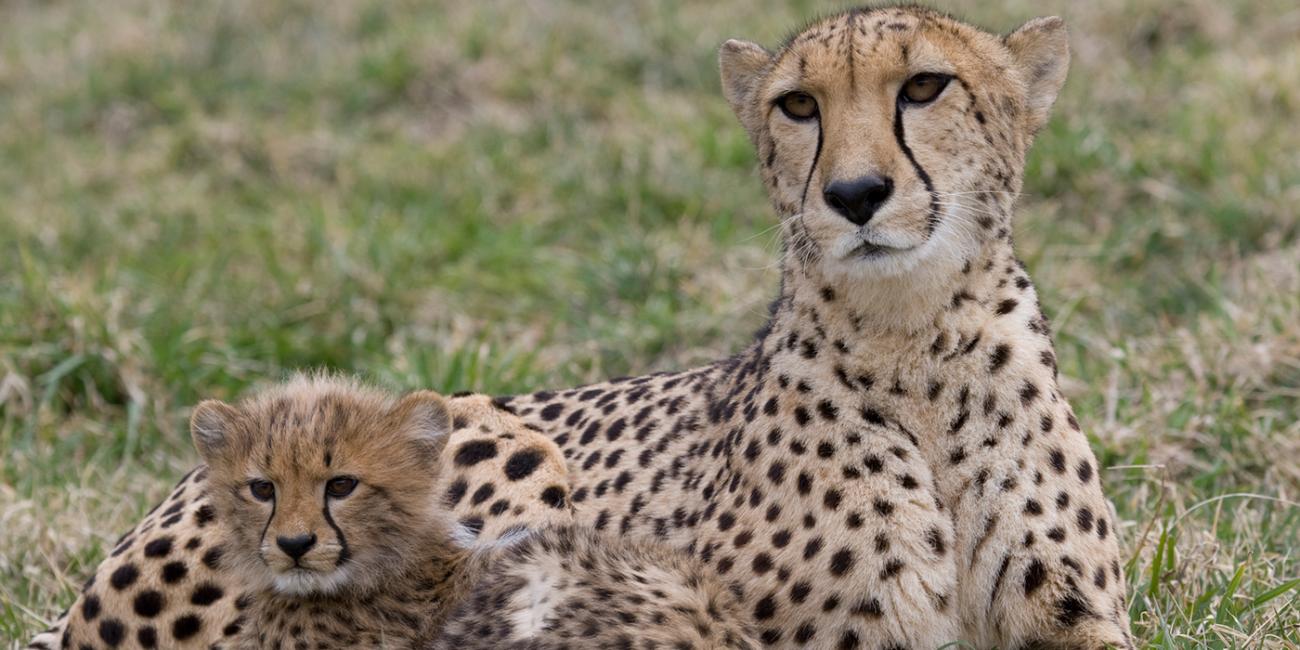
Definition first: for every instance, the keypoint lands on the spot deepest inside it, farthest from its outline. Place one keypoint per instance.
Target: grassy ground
(504, 196)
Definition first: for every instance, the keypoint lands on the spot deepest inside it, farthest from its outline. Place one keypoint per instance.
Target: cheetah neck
(982, 346)
(875, 322)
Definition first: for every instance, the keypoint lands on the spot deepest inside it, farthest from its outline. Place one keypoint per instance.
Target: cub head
(324, 485)
(892, 140)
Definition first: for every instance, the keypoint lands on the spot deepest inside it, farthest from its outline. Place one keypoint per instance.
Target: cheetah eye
(923, 88)
(798, 106)
(262, 490)
(340, 486)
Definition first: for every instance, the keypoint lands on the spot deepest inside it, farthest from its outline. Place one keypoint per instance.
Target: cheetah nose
(857, 200)
(296, 547)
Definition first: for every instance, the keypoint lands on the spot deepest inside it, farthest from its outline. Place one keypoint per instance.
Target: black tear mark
(932, 220)
(344, 553)
(803, 200)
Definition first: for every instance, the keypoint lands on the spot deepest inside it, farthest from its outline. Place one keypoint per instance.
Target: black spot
(472, 525)
(874, 464)
(553, 496)
(204, 515)
(111, 631)
(124, 576)
(776, 473)
(186, 627)
(90, 607)
(206, 594)
(522, 463)
(174, 572)
(1056, 534)
(892, 568)
(813, 546)
(870, 608)
(1085, 519)
(148, 603)
(882, 507)
(827, 410)
(1070, 609)
(766, 608)
(805, 632)
(158, 548)
(841, 562)
(1085, 471)
(475, 452)
(1007, 306)
(935, 538)
(456, 492)
(872, 416)
(801, 416)
(1033, 507)
(1028, 393)
(1058, 461)
(805, 483)
(552, 411)
(999, 356)
(832, 499)
(799, 592)
(147, 637)
(1035, 576)
(212, 559)
(483, 493)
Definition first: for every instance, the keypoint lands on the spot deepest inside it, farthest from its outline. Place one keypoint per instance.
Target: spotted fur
(891, 463)
(571, 587)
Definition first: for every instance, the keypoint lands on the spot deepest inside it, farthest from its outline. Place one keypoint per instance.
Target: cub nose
(857, 200)
(296, 547)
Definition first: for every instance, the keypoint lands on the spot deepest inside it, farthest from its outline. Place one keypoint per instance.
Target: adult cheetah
(890, 464)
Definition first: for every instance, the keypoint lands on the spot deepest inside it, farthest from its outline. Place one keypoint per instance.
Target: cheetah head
(892, 140)
(324, 486)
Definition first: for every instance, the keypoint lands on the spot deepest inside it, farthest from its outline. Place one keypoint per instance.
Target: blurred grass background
(505, 196)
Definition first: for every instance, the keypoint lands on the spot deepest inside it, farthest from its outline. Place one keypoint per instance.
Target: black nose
(295, 547)
(857, 200)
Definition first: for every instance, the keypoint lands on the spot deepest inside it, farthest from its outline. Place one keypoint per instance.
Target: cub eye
(798, 106)
(262, 490)
(923, 88)
(340, 486)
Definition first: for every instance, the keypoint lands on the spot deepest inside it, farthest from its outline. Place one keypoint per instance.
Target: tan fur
(891, 463)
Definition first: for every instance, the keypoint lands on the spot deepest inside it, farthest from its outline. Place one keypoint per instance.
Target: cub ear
(425, 419)
(1041, 50)
(210, 427)
(741, 64)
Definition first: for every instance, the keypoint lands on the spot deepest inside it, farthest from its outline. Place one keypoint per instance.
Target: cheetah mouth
(869, 250)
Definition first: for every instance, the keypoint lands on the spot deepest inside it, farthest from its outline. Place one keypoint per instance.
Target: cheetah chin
(307, 582)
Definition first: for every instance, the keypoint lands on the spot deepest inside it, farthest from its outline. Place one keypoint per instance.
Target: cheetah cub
(340, 528)
(327, 491)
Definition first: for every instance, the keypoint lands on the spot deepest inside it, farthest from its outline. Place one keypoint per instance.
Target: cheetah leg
(1029, 575)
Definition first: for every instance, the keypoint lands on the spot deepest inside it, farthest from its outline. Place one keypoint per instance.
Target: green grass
(505, 196)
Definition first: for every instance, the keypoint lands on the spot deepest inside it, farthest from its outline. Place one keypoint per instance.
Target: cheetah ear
(742, 64)
(210, 427)
(1041, 50)
(425, 419)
